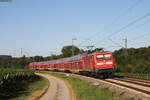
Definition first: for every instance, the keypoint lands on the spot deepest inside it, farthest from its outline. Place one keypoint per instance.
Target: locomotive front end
(104, 63)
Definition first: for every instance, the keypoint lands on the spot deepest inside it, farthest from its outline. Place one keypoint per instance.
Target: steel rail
(138, 79)
(140, 90)
(133, 81)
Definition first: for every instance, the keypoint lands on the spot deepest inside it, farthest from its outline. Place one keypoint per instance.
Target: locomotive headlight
(108, 62)
(100, 63)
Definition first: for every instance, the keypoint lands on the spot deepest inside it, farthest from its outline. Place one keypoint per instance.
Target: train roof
(76, 57)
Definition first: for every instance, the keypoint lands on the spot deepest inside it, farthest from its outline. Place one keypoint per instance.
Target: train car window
(107, 56)
(99, 57)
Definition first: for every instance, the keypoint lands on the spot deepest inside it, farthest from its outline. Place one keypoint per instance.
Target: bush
(13, 81)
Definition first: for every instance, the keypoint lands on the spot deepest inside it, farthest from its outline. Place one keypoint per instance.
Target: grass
(135, 75)
(86, 91)
(34, 90)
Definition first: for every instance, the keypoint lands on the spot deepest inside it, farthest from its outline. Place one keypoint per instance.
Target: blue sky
(43, 27)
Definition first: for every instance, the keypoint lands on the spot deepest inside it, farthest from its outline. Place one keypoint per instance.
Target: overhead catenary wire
(132, 39)
(114, 21)
(138, 26)
(140, 40)
(141, 36)
(117, 44)
(131, 23)
(126, 26)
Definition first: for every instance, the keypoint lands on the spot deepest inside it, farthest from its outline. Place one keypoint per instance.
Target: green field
(86, 91)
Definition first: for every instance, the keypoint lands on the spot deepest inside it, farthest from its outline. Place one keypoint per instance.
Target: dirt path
(57, 90)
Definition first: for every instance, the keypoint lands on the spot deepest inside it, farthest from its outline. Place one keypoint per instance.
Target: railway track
(135, 85)
(145, 83)
(132, 87)
(138, 79)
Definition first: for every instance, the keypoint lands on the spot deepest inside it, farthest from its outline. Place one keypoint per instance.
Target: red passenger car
(96, 64)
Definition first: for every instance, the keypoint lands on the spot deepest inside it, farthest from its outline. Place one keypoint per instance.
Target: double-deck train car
(95, 64)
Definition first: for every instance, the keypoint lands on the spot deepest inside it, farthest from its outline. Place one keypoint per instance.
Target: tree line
(131, 60)
(22, 62)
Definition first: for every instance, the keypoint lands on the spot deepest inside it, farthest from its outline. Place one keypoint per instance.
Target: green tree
(67, 51)
(38, 58)
(136, 60)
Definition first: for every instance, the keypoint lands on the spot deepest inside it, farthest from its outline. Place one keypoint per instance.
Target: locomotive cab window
(107, 56)
(104, 56)
(99, 57)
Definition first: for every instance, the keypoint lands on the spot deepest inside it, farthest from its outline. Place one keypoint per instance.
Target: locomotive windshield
(103, 56)
(107, 56)
(99, 57)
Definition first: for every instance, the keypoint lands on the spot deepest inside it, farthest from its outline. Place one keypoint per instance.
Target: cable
(137, 26)
(117, 44)
(134, 39)
(141, 36)
(126, 26)
(124, 13)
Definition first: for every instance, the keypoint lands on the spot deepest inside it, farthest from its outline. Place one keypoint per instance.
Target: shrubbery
(14, 81)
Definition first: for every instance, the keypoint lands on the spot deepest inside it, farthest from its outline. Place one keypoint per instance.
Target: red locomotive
(95, 64)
